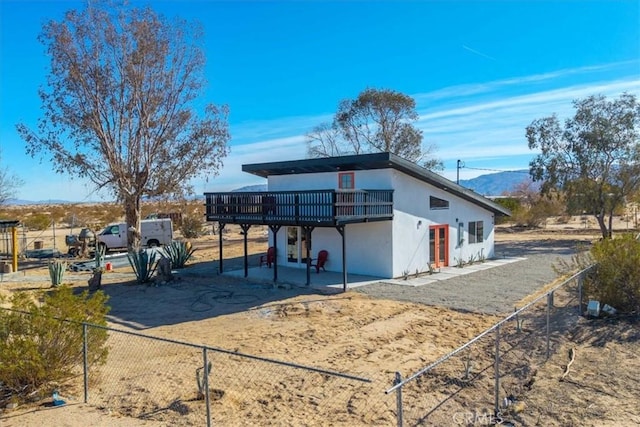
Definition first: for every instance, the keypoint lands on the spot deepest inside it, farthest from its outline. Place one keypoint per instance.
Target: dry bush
(37, 221)
(192, 226)
(41, 344)
(616, 277)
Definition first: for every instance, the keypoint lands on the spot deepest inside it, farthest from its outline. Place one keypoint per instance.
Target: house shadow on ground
(198, 293)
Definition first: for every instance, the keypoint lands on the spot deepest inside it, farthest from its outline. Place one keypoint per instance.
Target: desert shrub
(42, 345)
(191, 226)
(57, 213)
(37, 221)
(72, 220)
(615, 280)
(511, 203)
(143, 264)
(178, 253)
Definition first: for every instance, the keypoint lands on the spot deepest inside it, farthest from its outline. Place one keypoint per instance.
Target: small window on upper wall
(346, 181)
(437, 203)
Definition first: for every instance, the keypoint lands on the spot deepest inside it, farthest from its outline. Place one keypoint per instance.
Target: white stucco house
(376, 214)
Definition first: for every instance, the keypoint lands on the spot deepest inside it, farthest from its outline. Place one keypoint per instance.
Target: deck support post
(245, 231)
(307, 229)
(342, 230)
(220, 228)
(274, 229)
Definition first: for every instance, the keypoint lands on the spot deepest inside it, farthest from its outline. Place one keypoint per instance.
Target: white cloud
(478, 130)
(482, 132)
(271, 150)
(477, 52)
(465, 90)
(482, 124)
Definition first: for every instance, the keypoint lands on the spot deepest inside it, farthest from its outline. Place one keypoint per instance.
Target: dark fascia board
(6, 224)
(370, 162)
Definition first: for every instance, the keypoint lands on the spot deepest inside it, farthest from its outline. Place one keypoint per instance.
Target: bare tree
(120, 107)
(378, 120)
(9, 184)
(325, 140)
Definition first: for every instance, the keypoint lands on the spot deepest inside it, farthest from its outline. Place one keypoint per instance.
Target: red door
(439, 245)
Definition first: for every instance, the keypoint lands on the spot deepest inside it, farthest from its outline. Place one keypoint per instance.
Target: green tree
(594, 158)
(119, 108)
(378, 120)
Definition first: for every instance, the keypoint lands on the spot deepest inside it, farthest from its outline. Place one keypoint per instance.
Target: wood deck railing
(313, 207)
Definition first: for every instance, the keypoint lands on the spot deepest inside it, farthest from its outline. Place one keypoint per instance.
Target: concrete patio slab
(334, 280)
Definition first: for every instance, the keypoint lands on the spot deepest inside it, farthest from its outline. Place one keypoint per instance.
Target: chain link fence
(480, 382)
(179, 383)
(184, 384)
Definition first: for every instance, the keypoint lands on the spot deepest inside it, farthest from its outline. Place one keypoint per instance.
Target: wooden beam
(274, 229)
(14, 248)
(342, 230)
(220, 228)
(307, 230)
(245, 231)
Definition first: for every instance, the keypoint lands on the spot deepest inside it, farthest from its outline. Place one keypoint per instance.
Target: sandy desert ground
(153, 384)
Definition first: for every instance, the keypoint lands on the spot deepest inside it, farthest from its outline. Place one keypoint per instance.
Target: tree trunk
(610, 224)
(132, 217)
(603, 227)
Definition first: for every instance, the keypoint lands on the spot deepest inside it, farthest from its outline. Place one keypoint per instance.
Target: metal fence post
(580, 294)
(549, 303)
(398, 380)
(496, 390)
(206, 385)
(85, 362)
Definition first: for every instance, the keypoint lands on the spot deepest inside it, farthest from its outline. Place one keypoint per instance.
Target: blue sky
(480, 73)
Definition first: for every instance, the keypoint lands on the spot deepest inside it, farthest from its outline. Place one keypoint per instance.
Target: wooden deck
(318, 208)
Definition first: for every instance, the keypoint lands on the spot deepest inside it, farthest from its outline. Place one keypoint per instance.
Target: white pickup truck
(154, 232)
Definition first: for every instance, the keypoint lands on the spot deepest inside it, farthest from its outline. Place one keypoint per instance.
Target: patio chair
(268, 258)
(319, 262)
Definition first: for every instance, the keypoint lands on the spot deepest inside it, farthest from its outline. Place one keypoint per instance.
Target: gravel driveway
(494, 290)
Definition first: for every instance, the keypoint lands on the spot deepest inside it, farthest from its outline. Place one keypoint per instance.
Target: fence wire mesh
(178, 383)
(148, 379)
(480, 383)
(161, 380)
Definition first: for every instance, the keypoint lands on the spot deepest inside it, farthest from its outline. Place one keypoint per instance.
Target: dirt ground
(347, 332)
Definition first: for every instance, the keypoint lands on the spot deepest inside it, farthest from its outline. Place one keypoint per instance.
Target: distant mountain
(257, 187)
(496, 184)
(21, 202)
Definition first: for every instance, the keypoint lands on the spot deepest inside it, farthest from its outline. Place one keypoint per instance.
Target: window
(437, 203)
(476, 232)
(346, 181)
(114, 229)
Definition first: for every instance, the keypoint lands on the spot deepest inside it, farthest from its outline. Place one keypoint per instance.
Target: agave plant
(56, 272)
(143, 264)
(178, 253)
